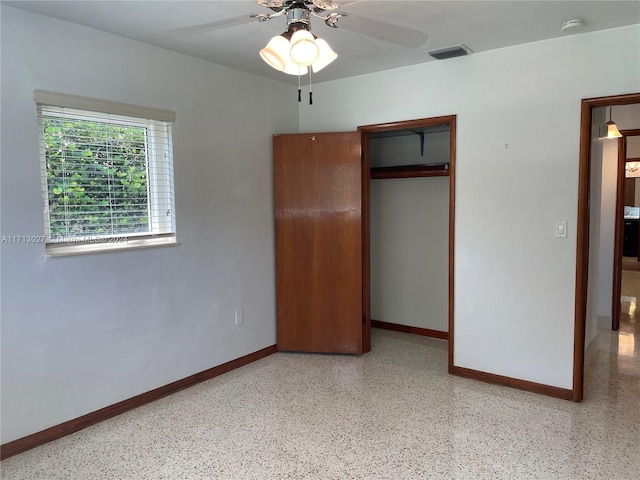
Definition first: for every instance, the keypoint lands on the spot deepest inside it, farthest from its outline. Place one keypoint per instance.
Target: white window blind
(107, 178)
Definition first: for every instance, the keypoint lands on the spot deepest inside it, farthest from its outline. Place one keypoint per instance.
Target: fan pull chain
(299, 89)
(310, 92)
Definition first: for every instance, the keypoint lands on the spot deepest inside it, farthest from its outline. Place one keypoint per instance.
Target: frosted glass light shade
(612, 130)
(293, 69)
(327, 55)
(276, 53)
(304, 50)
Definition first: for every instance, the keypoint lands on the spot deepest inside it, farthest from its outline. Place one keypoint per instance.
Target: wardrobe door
(318, 233)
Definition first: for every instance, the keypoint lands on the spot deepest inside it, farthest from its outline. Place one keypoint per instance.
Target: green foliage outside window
(97, 178)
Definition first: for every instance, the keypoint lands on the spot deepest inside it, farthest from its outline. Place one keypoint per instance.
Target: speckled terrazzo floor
(392, 414)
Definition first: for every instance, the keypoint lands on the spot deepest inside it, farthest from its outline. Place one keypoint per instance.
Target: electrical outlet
(238, 316)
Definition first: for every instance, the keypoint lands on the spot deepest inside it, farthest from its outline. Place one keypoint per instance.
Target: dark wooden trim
(582, 253)
(452, 233)
(53, 433)
(408, 124)
(409, 171)
(396, 327)
(618, 238)
(557, 392)
(632, 159)
(582, 229)
(612, 101)
(366, 240)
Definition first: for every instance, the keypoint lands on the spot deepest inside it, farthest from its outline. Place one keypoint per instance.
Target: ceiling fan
(298, 51)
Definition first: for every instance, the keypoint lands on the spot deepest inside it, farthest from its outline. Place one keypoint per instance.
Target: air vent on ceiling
(450, 52)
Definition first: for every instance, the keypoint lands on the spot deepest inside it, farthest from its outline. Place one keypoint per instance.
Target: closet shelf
(410, 171)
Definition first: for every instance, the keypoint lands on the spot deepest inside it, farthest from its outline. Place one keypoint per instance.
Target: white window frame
(160, 185)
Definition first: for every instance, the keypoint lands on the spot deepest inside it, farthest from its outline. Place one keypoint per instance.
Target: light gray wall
(80, 333)
(633, 143)
(518, 118)
(607, 162)
(410, 251)
(597, 172)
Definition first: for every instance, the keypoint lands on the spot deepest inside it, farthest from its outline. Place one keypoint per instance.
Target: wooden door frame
(582, 229)
(366, 131)
(619, 227)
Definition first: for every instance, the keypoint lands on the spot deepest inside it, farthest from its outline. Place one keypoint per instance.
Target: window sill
(105, 245)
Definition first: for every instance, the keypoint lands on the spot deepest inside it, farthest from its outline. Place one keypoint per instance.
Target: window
(107, 175)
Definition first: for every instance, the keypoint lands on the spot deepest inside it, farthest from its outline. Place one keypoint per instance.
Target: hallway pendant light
(612, 129)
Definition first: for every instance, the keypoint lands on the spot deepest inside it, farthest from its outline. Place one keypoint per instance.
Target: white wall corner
(604, 322)
(591, 352)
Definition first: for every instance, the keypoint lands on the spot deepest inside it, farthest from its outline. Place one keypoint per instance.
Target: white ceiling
(480, 25)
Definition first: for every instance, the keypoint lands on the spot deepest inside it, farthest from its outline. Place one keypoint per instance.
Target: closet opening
(408, 227)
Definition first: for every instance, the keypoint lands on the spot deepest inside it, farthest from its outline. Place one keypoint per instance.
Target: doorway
(418, 128)
(582, 254)
(627, 245)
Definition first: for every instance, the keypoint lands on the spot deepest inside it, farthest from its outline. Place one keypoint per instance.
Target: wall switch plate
(561, 229)
(239, 316)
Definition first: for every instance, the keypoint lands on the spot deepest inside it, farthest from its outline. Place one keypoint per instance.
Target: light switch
(561, 229)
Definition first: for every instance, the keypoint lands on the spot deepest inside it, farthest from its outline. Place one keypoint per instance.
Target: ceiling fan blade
(348, 4)
(329, 5)
(407, 37)
(218, 24)
(323, 6)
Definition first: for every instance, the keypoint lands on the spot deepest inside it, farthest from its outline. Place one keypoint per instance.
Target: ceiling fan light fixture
(327, 55)
(276, 53)
(304, 50)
